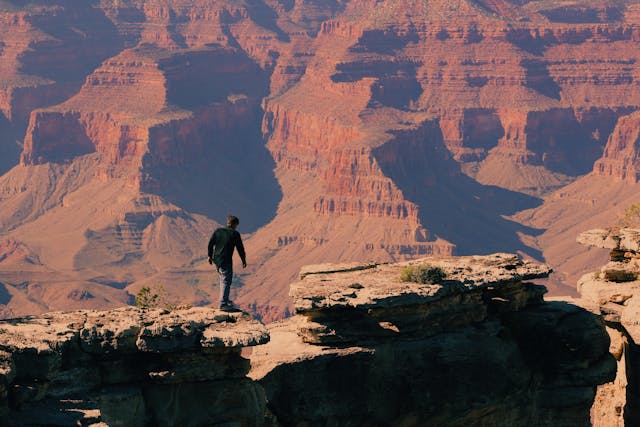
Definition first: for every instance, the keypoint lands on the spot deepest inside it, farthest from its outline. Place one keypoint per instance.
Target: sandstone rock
(187, 329)
(128, 363)
(615, 291)
(608, 408)
(354, 397)
(7, 368)
(624, 239)
(441, 359)
(114, 330)
(378, 304)
(381, 286)
(229, 402)
(620, 154)
(600, 238)
(121, 407)
(630, 318)
(480, 347)
(199, 366)
(620, 272)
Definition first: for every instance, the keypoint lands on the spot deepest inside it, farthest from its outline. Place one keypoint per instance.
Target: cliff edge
(475, 344)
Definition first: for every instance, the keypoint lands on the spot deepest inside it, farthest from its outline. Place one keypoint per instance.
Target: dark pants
(226, 275)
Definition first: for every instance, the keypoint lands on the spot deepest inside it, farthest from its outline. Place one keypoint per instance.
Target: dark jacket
(221, 246)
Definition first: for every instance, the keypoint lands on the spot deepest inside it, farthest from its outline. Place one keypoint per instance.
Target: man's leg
(226, 274)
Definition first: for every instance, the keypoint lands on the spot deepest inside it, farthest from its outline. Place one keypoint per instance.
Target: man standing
(221, 246)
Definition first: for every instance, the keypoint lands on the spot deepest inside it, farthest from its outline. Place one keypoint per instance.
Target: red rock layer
(389, 125)
(41, 61)
(621, 158)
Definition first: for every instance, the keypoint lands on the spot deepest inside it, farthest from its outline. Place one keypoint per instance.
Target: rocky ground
(476, 346)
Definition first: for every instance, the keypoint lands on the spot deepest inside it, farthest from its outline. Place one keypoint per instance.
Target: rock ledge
(124, 363)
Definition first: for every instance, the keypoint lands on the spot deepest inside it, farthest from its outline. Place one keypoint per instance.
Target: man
(221, 246)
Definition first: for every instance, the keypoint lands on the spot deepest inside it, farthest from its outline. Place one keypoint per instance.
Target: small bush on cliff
(631, 216)
(425, 273)
(146, 298)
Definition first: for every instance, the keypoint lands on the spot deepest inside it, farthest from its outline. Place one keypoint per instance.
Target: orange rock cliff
(336, 131)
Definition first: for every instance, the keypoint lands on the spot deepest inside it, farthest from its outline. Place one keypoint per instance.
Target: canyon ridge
(336, 130)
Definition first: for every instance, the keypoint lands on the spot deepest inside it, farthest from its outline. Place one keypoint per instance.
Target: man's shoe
(227, 305)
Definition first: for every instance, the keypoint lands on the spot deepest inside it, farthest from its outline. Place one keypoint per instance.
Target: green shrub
(145, 298)
(425, 273)
(631, 216)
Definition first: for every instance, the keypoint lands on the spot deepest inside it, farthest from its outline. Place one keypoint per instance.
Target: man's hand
(244, 264)
(210, 260)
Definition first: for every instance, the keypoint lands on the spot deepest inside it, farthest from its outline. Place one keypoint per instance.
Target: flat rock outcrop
(134, 367)
(479, 347)
(613, 291)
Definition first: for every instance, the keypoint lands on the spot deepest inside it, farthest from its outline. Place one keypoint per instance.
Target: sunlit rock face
(337, 131)
(613, 291)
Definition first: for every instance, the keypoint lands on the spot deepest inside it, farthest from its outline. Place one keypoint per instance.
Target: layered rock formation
(478, 346)
(146, 125)
(614, 293)
(621, 153)
(46, 50)
(504, 98)
(336, 131)
(129, 367)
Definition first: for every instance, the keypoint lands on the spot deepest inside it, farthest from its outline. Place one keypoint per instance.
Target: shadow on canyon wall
(227, 168)
(234, 175)
(81, 38)
(568, 141)
(5, 296)
(10, 145)
(452, 205)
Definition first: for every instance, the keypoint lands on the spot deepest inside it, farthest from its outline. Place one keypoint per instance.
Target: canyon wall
(336, 131)
(620, 158)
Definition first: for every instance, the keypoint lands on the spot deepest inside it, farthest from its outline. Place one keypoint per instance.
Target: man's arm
(212, 243)
(240, 247)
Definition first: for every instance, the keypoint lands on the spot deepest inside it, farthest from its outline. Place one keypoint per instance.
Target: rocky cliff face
(419, 127)
(380, 332)
(477, 346)
(130, 367)
(620, 157)
(613, 293)
(46, 50)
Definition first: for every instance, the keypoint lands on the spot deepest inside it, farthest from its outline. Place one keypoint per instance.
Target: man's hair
(232, 220)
